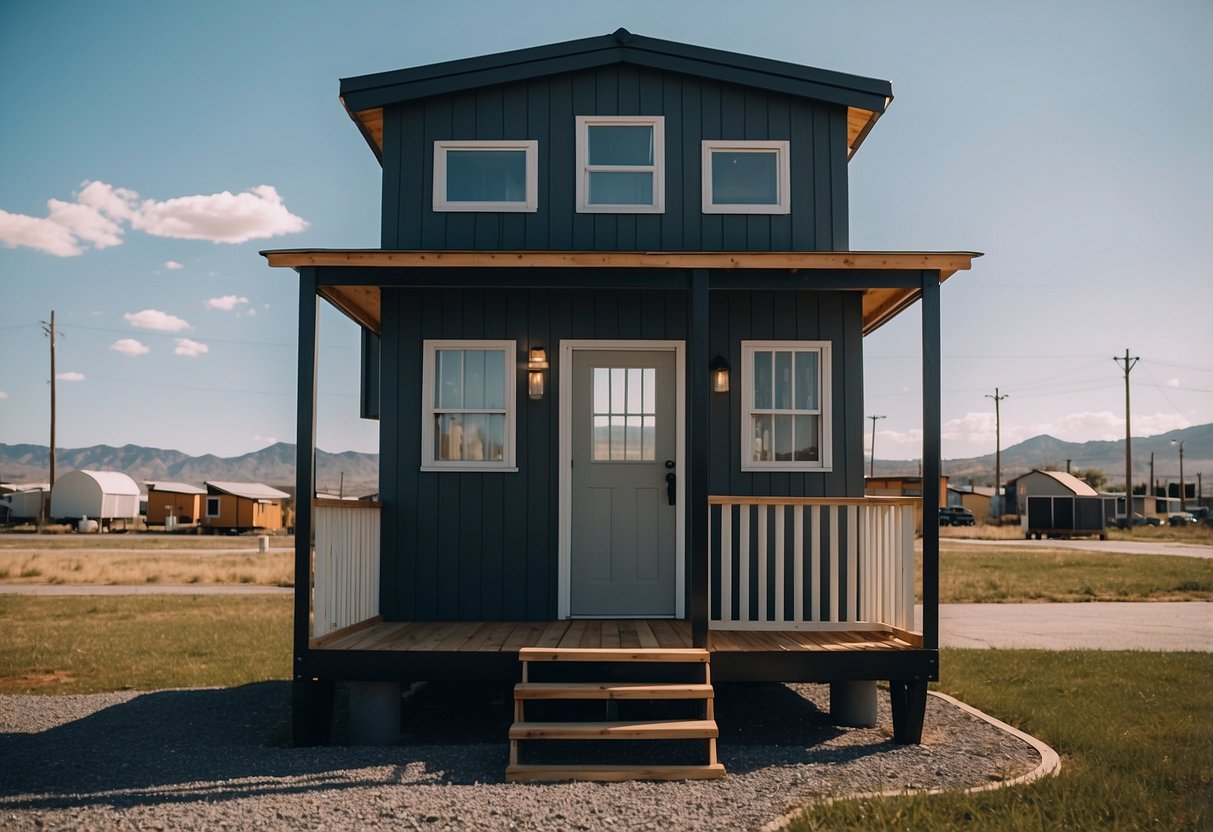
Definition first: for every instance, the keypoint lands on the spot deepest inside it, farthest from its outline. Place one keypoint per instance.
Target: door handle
(671, 490)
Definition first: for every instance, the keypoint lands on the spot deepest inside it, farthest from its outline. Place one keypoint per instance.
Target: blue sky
(148, 150)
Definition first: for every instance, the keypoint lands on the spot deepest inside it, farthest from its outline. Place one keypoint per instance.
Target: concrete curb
(1050, 765)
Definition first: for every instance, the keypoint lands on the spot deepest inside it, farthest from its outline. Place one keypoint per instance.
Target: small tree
(1093, 477)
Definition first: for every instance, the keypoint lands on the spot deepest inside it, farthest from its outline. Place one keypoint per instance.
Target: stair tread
(524, 771)
(645, 729)
(612, 690)
(612, 654)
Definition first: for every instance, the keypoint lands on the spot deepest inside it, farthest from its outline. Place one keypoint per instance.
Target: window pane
(650, 390)
(486, 175)
(808, 442)
(449, 378)
(473, 378)
(475, 435)
(623, 144)
(618, 438)
(762, 381)
(806, 381)
(635, 390)
(633, 439)
(448, 436)
(763, 438)
(783, 381)
(619, 390)
(649, 438)
(783, 438)
(494, 378)
(745, 178)
(602, 438)
(602, 390)
(609, 188)
(494, 448)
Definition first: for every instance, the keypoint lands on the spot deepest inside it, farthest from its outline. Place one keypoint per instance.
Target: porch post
(931, 452)
(698, 556)
(308, 699)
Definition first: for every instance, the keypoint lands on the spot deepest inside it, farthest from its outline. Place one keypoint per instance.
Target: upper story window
(620, 164)
(467, 419)
(486, 176)
(746, 177)
(785, 407)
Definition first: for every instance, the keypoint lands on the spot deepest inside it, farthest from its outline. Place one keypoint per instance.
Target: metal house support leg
(311, 711)
(909, 702)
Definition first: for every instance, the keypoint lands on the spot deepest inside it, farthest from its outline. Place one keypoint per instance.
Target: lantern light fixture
(537, 362)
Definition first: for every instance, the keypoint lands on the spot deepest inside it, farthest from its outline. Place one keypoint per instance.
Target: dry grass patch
(140, 567)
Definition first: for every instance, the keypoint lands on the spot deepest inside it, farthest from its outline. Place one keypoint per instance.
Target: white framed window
(486, 176)
(620, 164)
(746, 177)
(785, 407)
(467, 401)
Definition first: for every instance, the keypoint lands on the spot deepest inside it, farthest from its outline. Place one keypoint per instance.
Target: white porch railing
(803, 563)
(345, 571)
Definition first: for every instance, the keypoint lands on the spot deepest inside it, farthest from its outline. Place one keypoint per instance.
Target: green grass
(986, 575)
(91, 644)
(1133, 731)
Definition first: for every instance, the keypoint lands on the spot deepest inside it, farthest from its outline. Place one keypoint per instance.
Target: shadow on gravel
(221, 744)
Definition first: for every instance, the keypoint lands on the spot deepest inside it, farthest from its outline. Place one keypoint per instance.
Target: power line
(996, 503)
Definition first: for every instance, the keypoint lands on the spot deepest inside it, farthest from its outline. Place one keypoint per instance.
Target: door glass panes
(469, 412)
(486, 175)
(624, 414)
(745, 178)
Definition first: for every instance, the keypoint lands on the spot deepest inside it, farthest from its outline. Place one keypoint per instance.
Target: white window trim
(507, 462)
(782, 168)
(584, 169)
(748, 463)
(529, 205)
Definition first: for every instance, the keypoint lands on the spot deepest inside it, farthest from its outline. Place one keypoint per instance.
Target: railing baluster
(780, 588)
(852, 513)
(762, 563)
(743, 563)
(815, 563)
(834, 565)
(798, 562)
(726, 563)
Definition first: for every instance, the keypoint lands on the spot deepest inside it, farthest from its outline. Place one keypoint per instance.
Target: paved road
(1140, 625)
(143, 589)
(1128, 547)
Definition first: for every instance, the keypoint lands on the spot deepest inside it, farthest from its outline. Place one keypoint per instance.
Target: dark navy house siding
(544, 109)
(483, 546)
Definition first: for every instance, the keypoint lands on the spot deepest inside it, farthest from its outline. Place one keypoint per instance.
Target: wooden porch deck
(510, 637)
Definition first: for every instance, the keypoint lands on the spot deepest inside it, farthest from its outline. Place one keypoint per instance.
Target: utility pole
(1153, 489)
(1130, 363)
(48, 329)
(1183, 491)
(996, 503)
(872, 464)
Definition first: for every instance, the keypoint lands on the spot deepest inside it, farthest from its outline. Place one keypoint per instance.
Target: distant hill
(273, 465)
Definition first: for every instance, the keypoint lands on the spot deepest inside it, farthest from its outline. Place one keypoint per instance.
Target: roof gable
(248, 490)
(365, 96)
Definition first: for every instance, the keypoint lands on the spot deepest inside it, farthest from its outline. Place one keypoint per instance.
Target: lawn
(146, 566)
(87, 645)
(1133, 731)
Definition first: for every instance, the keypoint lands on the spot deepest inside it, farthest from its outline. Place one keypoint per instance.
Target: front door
(623, 550)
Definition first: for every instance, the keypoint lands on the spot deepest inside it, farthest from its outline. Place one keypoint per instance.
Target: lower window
(785, 405)
(468, 405)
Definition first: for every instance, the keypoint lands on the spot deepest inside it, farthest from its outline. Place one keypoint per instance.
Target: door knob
(671, 480)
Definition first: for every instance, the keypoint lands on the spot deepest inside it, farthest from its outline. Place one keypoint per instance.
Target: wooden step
(596, 654)
(678, 729)
(521, 772)
(611, 690)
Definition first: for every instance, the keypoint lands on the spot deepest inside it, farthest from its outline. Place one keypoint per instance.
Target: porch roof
(880, 303)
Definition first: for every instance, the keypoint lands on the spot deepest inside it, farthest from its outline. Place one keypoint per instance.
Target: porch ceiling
(880, 304)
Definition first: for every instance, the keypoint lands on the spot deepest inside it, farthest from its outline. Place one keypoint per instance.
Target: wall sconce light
(537, 362)
(720, 375)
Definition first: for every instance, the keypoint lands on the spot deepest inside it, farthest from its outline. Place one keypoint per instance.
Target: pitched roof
(365, 96)
(1073, 483)
(173, 487)
(248, 490)
(113, 482)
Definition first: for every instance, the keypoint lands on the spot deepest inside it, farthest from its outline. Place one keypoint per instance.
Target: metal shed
(98, 495)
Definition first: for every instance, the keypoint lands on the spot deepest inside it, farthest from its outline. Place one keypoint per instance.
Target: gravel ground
(216, 758)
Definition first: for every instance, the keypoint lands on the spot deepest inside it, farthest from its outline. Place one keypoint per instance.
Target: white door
(624, 517)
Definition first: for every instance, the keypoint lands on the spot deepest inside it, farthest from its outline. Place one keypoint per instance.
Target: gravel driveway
(216, 758)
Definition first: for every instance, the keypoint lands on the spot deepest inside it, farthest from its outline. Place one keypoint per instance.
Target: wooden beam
(931, 458)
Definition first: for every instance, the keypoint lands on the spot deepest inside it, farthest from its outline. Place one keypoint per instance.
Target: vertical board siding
(544, 110)
(851, 564)
(345, 587)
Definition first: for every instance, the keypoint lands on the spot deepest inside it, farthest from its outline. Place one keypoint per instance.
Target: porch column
(931, 452)
(308, 711)
(698, 556)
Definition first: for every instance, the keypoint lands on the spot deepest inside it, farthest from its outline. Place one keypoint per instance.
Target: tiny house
(104, 496)
(613, 338)
(178, 500)
(243, 506)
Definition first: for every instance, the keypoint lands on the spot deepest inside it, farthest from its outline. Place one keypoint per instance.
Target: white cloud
(269, 440)
(70, 375)
(222, 218)
(1174, 382)
(172, 265)
(190, 349)
(3, 395)
(227, 303)
(99, 211)
(157, 320)
(129, 347)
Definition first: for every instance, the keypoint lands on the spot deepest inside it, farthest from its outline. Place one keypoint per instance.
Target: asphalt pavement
(1126, 547)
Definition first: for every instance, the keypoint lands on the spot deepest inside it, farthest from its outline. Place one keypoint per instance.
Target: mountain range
(358, 473)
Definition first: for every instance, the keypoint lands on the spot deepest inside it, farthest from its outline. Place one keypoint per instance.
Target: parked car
(955, 516)
(1138, 520)
(1181, 518)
